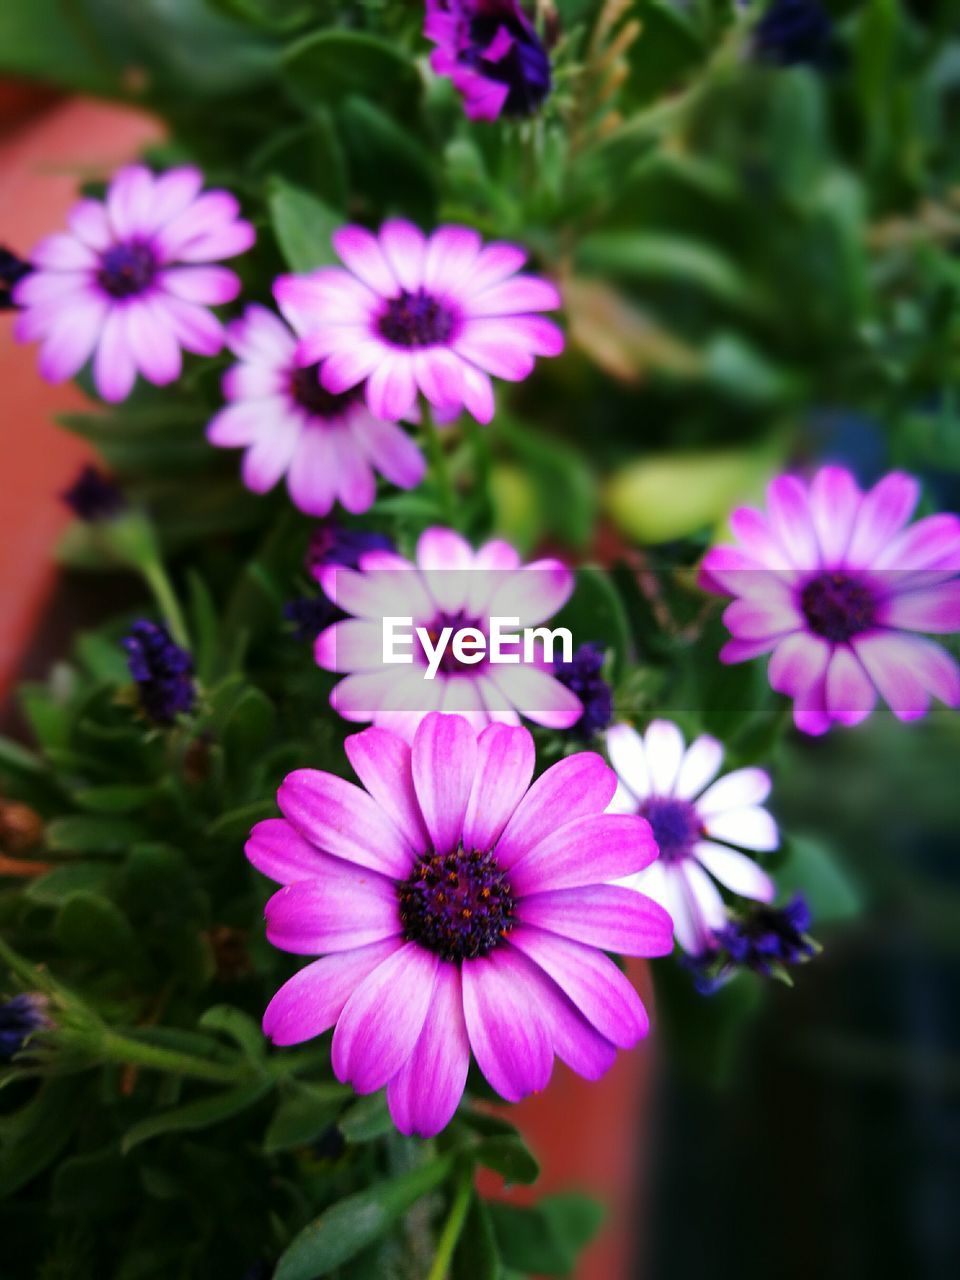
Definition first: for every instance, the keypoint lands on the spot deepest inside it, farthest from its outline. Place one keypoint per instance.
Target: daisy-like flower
(832, 582)
(130, 282)
(407, 312)
(491, 52)
(328, 445)
(447, 585)
(700, 825)
(456, 910)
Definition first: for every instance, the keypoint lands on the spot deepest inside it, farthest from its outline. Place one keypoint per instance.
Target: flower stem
(438, 462)
(125, 1049)
(156, 578)
(453, 1226)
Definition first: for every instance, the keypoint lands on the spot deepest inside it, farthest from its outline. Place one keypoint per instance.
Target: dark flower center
(162, 670)
(675, 825)
(524, 68)
(127, 269)
(308, 392)
(459, 905)
(416, 320)
(838, 606)
(94, 496)
(449, 662)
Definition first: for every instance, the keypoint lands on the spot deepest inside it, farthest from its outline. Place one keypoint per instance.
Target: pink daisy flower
(832, 583)
(698, 827)
(456, 910)
(129, 283)
(408, 312)
(448, 584)
(328, 446)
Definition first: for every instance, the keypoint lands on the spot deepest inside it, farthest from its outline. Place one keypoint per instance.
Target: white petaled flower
(700, 822)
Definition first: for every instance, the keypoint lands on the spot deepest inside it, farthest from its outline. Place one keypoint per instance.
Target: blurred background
(763, 271)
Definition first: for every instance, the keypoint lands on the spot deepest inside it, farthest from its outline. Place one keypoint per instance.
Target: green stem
(125, 1049)
(438, 462)
(156, 578)
(452, 1227)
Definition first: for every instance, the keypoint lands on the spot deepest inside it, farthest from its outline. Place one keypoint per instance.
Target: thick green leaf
(509, 1156)
(91, 926)
(35, 1135)
(304, 1113)
(200, 1114)
(346, 1228)
(303, 225)
(476, 1256)
(813, 869)
(366, 1119)
(81, 833)
(548, 1237)
(61, 883)
(328, 66)
(117, 797)
(388, 164)
(238, 1026)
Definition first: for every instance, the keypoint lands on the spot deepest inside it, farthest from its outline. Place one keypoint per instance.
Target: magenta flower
(129, 282)
(448, 585)
(438, 314)
(456, 910)
(327, 445)
(491, 52)
(832, 582)
(698, 827)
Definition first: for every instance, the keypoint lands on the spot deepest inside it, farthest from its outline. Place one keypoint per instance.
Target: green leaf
(96, 1185)
(81, 833)
(200, 1114)
(308, 156)
(366, 1119)
(304, 1113)
(547, 1238)
(509, 1156)
(117, 797)
(62, 883)
(328, 66)
(237, 1026)
(90, 925)
(247, 728)
(235, 824)
(387, 163)
(348, 1226)
(565, 486)
(303, 225)
(595, 612)
(36, 1134)
(18, 761)
(813, 869)
(476, 1256)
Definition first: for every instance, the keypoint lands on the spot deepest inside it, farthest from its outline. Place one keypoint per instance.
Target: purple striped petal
(589, 850)
(312, 1000)
(342, 907)
(341, 819)
(602, 915)
(444, 761)
(280, 852)
(575, 787)
(383, 764)
(425, 1092)
(507, 1029)
(505, 761)
(883, 513)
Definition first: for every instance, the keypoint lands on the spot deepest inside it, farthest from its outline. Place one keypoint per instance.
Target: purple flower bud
(582, 676)
(93, 496)
(162, 670)
(20, 1017)
(330, 543)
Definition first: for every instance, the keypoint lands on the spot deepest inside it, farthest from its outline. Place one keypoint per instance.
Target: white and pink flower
(448, 584)
(410, 313)
(130, 283)
(834, 584)
(328, 446)
(701, 826)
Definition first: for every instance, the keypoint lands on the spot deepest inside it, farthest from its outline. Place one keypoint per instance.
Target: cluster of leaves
(753, 260)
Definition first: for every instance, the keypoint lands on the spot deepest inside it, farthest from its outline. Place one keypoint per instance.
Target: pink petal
(444, 760)
(261, 337)
(280, 852)
(798, 663)
(312, 1000)
(208, 285)
(496, 555)
(356, 484)
(353, 644)
(363, 255)
(381, 1022)
(906, 670)
(834, 503)
(240, 424)
(63, 252)
(69, 343)
(391, 451)
(538, 695)
(88, 221)
(760, 541)
(349, 366)
(606, 916)
(439, 375)
(573, 788)
(936, 609)
(129, 200)
(931, 543)
(341, 819)
(593, 983)
(196, 328)
(199, 229)
(575, 1041)
(391, 389)
(499, 356)
(270, 453)
(883, 513)
(477, 393)
(586, 851)
(451, 254)
(514, 297)
(849, 695)
(404, 246)
(327, 297)
(114, 370)
(152, 342)
(425, 1092)
(790, 521)
(312, 477)
(173, 192)
(533, 594)
(736, 872)
(383, 764)
(507, 1030)
(505, 761)
(761, 619)
(340, 908)
(497, 260)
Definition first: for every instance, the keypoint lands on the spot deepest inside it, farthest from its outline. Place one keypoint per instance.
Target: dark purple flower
(163, 672)
(331, 543)
(492, 53)
(20, 1017)
(794, 32)
(582, 676)
(93, 495)
(764, 939)
(12, 271)
(309, 615)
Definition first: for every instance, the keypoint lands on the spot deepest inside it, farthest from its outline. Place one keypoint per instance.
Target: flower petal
(834, 502)
(505, 761)
(341, 819)
(736, 872)
(848, 692)
(312, 1000)
(425, 1092)
(572, 788)
(752, 828)
(627, 755)
(507, 1030)
(699, 766)
(663, 749)
(935, 609)
(339, 908)
(588, 850)
(883, 513)
(280, 852)
(610, 917)
(444, 761)
(538, 695)
(382, 762)
(737, 790)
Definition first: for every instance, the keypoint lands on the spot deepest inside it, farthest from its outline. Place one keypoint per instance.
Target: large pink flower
(449, 584)
(408, 312)
(700, 825)
(456, 910)
(328, 446)
(833, 583)
(126, 285)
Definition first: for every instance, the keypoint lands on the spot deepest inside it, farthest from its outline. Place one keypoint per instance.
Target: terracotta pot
(587, 1136)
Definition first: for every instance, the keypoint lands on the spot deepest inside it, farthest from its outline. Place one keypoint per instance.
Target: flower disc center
(306, 390)
(838, 606)
(459, 905)
(127, 269)
(449, 663)
(675, 824)
(416, 320)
